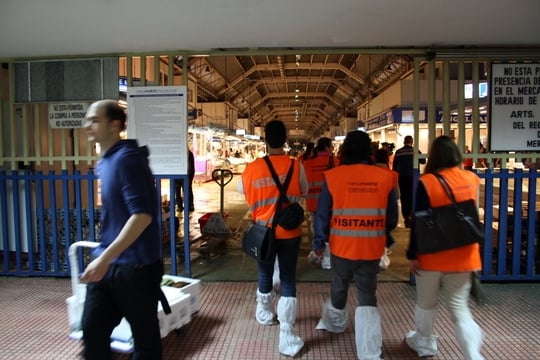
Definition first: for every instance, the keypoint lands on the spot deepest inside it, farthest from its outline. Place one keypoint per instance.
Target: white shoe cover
(368, 333)
(469, 336)
(325, 262)
(264, 312)
(332, 319)
(276, 281)
(424, 346)
(289, 343)
(422, 340)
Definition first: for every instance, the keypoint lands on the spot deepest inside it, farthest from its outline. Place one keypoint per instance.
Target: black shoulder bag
(447, 227)
(258, 240)
(290, 215)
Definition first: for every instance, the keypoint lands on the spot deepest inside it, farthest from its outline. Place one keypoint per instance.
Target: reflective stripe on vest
(262, 193)
(315, 168)
(359, 198)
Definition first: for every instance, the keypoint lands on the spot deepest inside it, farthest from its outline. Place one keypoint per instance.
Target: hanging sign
(67, 115)
(515, 107)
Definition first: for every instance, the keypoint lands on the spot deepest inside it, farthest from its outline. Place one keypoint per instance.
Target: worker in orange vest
(357, 207)
(262, 196)
(322, 160)
(447, 272)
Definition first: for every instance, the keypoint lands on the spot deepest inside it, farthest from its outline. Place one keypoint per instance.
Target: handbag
(478, 293)
(258, 242)
(447, 227)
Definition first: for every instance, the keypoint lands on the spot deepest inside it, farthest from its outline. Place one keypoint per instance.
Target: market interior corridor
(227, 262)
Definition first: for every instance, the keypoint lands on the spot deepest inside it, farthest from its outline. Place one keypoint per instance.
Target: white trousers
(454, 288)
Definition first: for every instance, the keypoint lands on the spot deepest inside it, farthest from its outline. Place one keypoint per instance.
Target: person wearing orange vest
(322, 160)
(357, 207)
(447, 272)
(262, 196)
(308, 153)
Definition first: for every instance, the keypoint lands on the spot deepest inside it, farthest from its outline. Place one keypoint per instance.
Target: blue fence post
(5, 222)
(517, 223)
(533, 225)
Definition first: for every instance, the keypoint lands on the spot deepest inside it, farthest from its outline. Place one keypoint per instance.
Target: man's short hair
(113, 111)
(275, 134)
(408, 139)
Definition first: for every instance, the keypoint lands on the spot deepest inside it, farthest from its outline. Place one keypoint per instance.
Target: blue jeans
(130, 291)
(287, 254)
(364, 273)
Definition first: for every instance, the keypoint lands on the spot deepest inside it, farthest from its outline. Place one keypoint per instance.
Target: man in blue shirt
(125, 274)
(403, 165)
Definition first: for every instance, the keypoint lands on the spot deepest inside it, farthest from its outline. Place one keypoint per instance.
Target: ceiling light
(296, 96)
(297, 90)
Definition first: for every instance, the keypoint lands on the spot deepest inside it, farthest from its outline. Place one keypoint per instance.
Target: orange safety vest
(314, 168)
(464, 185)
(262, 193)
(359, 201)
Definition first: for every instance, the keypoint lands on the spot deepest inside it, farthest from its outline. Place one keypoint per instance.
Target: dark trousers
(406, 197)
(180, 189)
(129, 291)
(364, 273)
(287, 254)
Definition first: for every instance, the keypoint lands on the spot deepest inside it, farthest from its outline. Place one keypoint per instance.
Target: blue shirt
(127, 188)
(403, 161)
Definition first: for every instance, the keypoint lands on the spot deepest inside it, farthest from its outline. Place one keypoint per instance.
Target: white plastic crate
(180, 314)
(179, 300)
(193, 288)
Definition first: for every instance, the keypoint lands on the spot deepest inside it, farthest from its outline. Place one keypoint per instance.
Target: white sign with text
(515, 107)
(67, 115)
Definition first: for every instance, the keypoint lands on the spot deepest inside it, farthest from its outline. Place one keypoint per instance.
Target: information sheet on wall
(515, 107)
(157, 118)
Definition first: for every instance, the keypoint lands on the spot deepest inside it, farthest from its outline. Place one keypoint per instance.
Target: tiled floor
(35, 326)
(34, 323)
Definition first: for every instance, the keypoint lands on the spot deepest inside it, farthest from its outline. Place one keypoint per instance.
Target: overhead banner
(157, 118)
(515, 107)
(67, 115)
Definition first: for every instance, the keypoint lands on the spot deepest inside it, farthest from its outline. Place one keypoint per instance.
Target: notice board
(157, 118)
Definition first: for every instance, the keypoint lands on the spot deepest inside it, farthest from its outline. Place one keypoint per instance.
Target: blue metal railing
(510, 252)
(38, 225)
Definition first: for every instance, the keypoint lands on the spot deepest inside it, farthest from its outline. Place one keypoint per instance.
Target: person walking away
(125, 274)
(389, 147)
(308, 153)
(449, 271)
(262, 196)
(382, 160)
(468, 161)
(357, 208)
(180, 188)
(322, 160)
(482, 162)
(403, 165)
